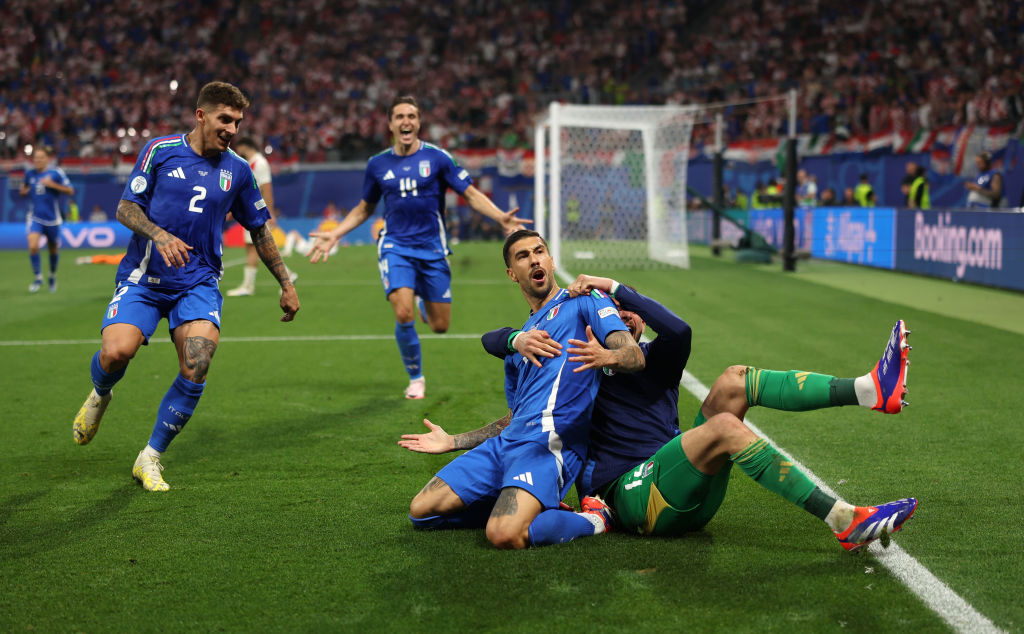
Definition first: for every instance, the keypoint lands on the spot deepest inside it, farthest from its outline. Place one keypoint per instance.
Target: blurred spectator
(864, 194)
(919, 197)
(908, 180)
(806, 189)
(97, 214)
(849, 199)
(828, 198)
(987, 189)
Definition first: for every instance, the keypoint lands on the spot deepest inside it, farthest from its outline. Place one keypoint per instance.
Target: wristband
(615, 288)
(511, 345)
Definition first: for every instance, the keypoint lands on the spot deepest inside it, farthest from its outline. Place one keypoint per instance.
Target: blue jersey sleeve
(455, 176)
(371, 188)
(249, 208)
(139, 188)
(602, 315)
(511, 379)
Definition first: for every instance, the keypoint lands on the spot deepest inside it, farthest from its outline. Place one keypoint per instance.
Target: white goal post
(610, 185)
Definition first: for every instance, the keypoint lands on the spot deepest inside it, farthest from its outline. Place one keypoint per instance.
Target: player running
(46, 185)
(411, 177)
(513, 482)
(177, 197)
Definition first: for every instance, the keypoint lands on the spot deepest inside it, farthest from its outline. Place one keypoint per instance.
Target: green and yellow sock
(769, 468)
(796, 391)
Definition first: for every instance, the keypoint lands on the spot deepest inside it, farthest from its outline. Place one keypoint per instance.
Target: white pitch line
(298, 338)
(939, 597)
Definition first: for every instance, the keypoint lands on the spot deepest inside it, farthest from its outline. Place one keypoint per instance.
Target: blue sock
(555, 526)
(36, 265)
(54, 260)
(175, 410)
(102, 381)
(409, 347)
(475, 516)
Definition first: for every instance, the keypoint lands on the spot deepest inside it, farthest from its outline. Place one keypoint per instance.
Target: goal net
(611, 185)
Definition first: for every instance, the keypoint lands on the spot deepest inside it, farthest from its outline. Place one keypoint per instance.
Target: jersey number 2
(192, 206)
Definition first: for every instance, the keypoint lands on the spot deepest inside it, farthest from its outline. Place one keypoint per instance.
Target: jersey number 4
(199, 197)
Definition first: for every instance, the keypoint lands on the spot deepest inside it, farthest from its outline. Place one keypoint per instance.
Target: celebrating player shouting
(412, 177)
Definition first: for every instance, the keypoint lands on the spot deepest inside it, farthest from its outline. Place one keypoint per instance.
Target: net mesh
(616, 186)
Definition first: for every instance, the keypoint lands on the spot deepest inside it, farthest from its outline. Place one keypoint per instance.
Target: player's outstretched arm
(482, 204)
(621, 355)
(583, 284)
(438, 440)
(266, 248)
(325, 240)
(171, 249)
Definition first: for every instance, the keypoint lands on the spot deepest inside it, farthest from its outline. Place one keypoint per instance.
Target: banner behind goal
(612, 190)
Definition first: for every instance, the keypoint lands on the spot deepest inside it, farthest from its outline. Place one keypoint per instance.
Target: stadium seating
(96, 81)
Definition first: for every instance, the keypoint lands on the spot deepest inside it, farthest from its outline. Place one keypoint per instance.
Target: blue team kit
(196, 194)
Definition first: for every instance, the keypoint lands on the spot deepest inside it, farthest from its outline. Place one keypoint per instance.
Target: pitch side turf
(289, 494)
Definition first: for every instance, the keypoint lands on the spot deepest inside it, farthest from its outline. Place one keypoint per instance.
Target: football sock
(249, 277)
(556, 526)
(175, 410)
(795, 391)
(770, 469)
(474, 516)
(104, 381)
(153, 453)
(54, 260)
(867, 394)
(840, 516)
(36, 265)
(409, 348)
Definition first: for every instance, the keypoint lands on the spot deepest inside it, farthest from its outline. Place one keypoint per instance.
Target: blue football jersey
(552, 404)
(413, 188)
(44, 203)
(189, 196)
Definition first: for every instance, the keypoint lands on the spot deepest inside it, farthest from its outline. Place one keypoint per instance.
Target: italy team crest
(553, 313)
(225, 180)
(424, 168)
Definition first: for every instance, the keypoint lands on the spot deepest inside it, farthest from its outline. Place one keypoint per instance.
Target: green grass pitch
(289, 493)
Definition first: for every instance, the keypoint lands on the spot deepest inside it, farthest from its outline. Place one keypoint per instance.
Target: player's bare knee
(731, 433)
(507, 537)
(116, 355)
(421, 507)
(440, 327)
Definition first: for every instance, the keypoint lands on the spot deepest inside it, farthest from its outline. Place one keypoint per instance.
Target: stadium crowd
(95, 79)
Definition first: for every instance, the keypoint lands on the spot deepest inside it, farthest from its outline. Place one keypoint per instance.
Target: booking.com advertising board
(970, 246)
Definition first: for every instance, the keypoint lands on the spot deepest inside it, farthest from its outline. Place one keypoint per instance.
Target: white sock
(152, 453)
(840, 517)
(249, 277)
(867, 396)
(595, 520)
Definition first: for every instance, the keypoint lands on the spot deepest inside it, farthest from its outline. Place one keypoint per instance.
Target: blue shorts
(430, 279)
(482, 472)
(144, 307)
(52, 232)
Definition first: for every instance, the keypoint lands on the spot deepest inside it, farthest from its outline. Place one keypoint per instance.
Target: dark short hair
(516, 236)
(45, 148)
(986, 157)
(220, 93)
(409, 99)
(247, 141)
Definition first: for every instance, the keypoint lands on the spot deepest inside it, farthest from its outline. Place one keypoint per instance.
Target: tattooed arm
(439, 441)
(263, 241)
(171, 249)
(622, 353)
